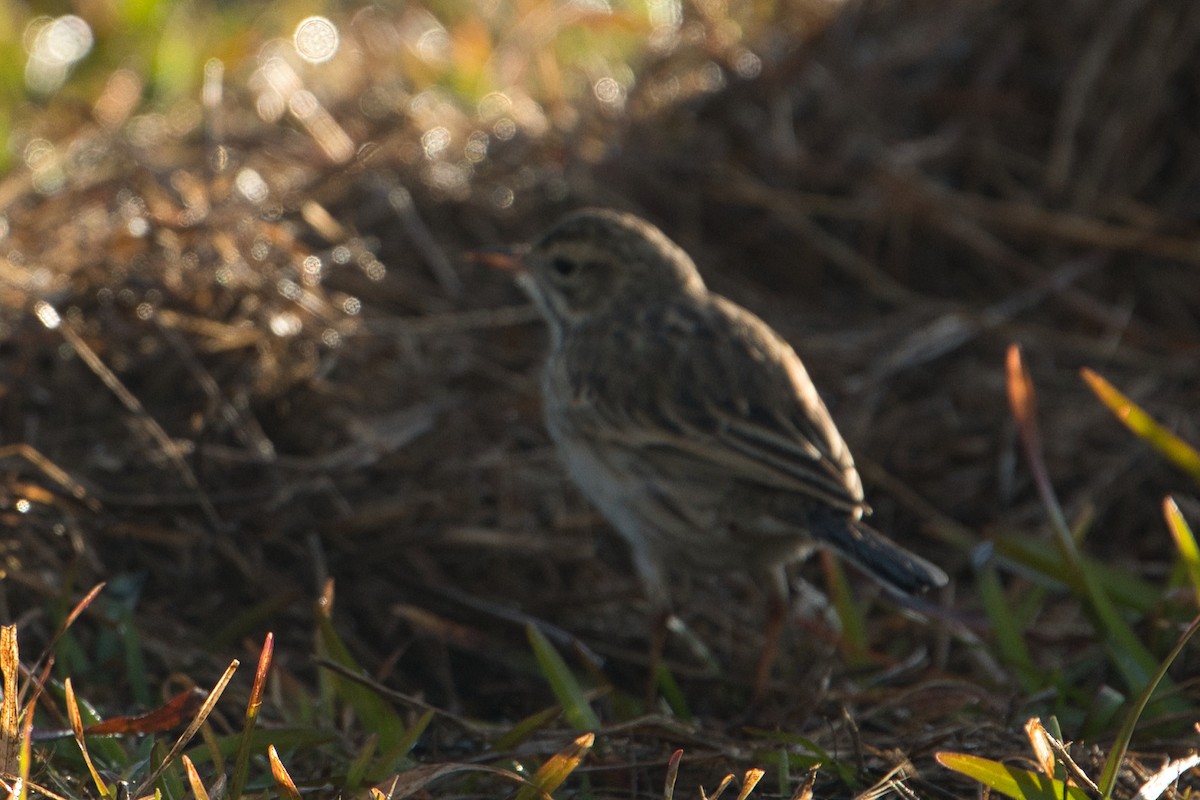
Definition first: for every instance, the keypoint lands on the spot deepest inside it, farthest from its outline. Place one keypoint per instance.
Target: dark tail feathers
(875, 554)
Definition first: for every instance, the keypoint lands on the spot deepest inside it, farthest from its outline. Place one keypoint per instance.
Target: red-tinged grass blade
(77, 728)
(1022, 400)
(10, 711)
(751, 780)
(171, 714)
(567, 691)
(672, 775)
(1020, 784)
(556, 769)
(193, 777)
(192, 727)
(1126, 652)
(283, 781)
(1176, 450)
(1185, 544)
(46, 660)
(241, 763)
(1112, 765)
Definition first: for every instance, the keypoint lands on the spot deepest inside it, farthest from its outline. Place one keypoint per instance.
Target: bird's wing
(717, 393)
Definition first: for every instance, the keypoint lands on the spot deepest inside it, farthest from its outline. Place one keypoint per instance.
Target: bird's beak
(509, 258)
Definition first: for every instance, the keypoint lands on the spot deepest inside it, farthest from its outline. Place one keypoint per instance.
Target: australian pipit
(690, 424)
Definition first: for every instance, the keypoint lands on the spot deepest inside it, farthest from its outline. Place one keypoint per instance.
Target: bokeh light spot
(316, 40)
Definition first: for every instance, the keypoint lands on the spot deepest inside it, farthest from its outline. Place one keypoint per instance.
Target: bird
(690, 424)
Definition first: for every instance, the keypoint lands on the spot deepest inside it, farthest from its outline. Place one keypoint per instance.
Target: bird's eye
(563, 267)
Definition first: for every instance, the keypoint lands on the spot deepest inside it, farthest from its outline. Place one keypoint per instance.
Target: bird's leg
(777, 608)
(650, 571)
(658, 642)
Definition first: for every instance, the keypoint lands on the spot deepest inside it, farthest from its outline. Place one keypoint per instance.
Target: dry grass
(303, 380)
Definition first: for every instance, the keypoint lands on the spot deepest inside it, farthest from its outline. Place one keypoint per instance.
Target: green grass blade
(241, 763)
(525, 728)
(853, 639)
(562, 682)
(556, 769)
(1020, 784)
(670, 691)
(1112, 765)
(1170, 446)
(1126, 652)
(375, 713)
(391, 760)
(1185, 544)
(1010, 642)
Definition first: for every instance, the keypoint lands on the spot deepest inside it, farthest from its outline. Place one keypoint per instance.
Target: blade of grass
(48, 654)
(853, 639)
(672, 774)
(725, 783)
(805, 790)
(562, 682)
(25, 754)
(1112, 764)
(1021, 784)
(193, 777)
(284, 738)
(1010, 643)
(283, 781)
(751, 780)
(525, 728)
(819, 755)
(1030, 553)
(1051, 752)
(1128, 655)
(358, 767)
(10, 733)
(135, 662)
(253, 705)
(1185, 543)
(77, 728)
(1170, 446)
(556, 769)
(392, 759)
(168, 784)
(376, 715)
(192, 727)
(241, 763)
(668, 689)
(413, 782)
